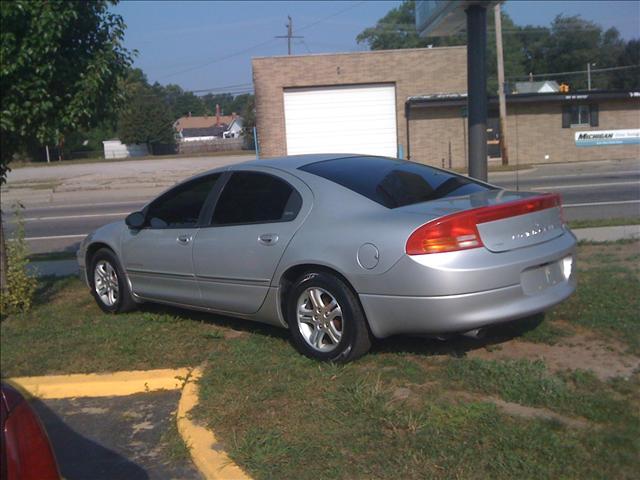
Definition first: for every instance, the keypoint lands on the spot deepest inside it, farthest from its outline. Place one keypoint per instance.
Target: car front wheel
(108, 283)
(326, 320)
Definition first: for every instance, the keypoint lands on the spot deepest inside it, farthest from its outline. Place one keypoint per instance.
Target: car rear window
(394, 183)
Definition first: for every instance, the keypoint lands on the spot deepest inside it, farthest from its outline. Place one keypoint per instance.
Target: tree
(224, 100)
(147, 117)
(512, 49)
(566, 46)
(60, 63)
(628, 79)
(180, 103)
(249, 122)
(573, 43)
(397, 29)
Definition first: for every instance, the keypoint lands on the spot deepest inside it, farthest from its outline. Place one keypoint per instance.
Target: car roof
(294, 161)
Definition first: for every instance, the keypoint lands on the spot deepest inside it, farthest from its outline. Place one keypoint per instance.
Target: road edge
(212, 462)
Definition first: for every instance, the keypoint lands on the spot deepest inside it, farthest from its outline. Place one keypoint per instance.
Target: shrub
(21, 286)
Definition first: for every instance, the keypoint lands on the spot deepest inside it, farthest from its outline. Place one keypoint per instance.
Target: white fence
(117, 149)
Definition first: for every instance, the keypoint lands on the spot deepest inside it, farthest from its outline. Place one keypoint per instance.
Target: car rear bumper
(391, 315)
(516, 285)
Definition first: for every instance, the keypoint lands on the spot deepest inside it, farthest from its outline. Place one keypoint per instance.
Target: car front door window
(158, 258)
(180, 207)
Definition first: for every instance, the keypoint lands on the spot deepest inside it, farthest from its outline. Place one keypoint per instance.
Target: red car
(26, 453)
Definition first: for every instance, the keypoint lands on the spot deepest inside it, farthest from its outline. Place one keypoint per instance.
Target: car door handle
(183, 239)
(267, 238)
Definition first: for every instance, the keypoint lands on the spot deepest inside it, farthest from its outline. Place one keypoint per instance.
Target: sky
(208, 45)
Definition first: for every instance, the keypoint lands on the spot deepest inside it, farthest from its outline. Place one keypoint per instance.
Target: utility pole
(289, 34)
(477, 89)
(589, 65)
(501, 95)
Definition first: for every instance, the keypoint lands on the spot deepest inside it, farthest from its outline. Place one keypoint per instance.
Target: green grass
(547, 332)
(173, 446)
(411, 409)
(529, 383)
(67, 333)
(49, 256)
(604, 222)
(607, 299)
(282, 416)
(35, 185)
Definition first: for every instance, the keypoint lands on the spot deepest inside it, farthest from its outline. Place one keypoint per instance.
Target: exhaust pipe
(476, 333)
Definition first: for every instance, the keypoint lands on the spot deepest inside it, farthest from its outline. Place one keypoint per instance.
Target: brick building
(408, 103)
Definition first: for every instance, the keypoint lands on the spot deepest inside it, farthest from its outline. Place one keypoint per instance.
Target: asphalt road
(112, 438)
(605, 191)
(592, 190)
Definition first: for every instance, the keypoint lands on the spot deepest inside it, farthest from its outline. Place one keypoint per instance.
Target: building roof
(546, 86)
(460, 99)
(201, 121)
(204, 132)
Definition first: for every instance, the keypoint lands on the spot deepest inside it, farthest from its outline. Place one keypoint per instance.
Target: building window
(579, 115)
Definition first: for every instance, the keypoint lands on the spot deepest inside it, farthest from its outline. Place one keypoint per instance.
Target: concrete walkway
(608, 234)
(62, 268)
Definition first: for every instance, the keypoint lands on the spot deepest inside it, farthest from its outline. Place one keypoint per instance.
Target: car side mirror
(135, 220)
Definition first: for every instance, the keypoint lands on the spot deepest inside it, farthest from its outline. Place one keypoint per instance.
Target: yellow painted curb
(102, 384)
(213, 463)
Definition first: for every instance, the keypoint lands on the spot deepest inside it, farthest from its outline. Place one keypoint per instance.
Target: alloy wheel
(105, 281)
(319, 318)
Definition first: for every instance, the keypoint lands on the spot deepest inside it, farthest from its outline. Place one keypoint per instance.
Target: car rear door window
(180, 207)
(253, 197)
(394, 183)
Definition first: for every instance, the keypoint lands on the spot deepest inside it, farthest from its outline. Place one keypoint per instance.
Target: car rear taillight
(459, 231)
(28, 454)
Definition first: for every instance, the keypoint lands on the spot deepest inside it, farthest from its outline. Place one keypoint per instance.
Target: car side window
(252, 197)
(181, 206)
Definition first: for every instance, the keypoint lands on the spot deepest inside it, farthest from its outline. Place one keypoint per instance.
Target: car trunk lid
(503, 220)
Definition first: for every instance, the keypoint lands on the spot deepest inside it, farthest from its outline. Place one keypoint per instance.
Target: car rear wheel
(326, 320)
(108, 283)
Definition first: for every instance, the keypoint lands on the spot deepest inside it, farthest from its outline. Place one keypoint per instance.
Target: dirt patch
(522, 411)
(517, 410)
(578, 352)
(231, 334)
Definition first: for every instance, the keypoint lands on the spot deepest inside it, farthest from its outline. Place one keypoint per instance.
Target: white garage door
(352, 119)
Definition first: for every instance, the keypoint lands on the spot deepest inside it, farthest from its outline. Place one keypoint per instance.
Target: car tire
(109, 286)
(326, 320)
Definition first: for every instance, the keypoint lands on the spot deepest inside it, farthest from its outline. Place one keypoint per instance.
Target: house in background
(547, 86)
(202, 128)
(234, 130)
(202, 134)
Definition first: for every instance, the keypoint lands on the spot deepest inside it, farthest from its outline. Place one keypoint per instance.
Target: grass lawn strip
(67, 333)
(413, 408)
(412, 412)
(604, 222)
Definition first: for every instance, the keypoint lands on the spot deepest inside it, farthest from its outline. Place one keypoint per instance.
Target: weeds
(21, 286)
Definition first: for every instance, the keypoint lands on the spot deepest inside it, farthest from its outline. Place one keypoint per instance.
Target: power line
(305, 46)
(335, 14)
(262, 44)
(236, 86)
(289, 34)
(579, 72)
(220, 59)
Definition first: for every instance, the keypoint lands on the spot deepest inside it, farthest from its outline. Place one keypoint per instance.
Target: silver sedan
(339, 249)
